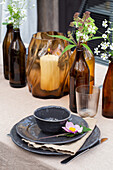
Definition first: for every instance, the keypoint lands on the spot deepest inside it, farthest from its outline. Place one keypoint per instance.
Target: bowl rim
(52, 106)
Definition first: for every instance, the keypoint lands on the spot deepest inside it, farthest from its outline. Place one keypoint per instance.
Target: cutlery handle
(73, 156)
(78, 153)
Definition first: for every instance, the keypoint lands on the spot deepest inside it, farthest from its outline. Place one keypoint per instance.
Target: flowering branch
(16, 12)
(105, 49)
(85, 29)
(74, 129)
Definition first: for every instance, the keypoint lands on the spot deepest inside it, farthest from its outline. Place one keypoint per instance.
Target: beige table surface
(15, 104)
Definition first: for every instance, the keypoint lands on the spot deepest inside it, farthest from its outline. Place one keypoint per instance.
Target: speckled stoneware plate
(28, 129)
(91, 140)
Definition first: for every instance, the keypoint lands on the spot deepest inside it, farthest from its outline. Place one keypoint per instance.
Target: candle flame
(48, 50)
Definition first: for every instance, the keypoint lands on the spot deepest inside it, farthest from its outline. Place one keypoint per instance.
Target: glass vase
(79, 75)
(17, 53)
(6, 43)
(107, 93)
(47, 71)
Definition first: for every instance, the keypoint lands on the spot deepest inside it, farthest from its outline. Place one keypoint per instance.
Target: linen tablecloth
(15, 104)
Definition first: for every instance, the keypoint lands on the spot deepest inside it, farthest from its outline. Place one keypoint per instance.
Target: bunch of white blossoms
(85, 27)
(16, 12)
(87, 33)
(105, 49)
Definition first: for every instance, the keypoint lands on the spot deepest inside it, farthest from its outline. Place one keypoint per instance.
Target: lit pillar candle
(50, 76)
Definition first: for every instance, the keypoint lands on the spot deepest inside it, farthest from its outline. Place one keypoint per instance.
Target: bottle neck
(80, 53)
(16, 33)
(9, 27)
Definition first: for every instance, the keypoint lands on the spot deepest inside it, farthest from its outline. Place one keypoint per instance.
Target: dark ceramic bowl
(50, 119)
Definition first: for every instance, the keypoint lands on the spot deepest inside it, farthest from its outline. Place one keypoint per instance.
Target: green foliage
(85, 31)
(85, 129)
(16, 10)
(94, 38)
(87, 47)
(62, 37)
(68, 47)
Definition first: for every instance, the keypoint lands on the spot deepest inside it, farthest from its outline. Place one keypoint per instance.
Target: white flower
(96, 51)
(104, 23)
(79, 34)
(104, 56)
(104, 36)
(13, 5)
(107, 44)
(91, 29)
(108, 31)
(111, 46)
(23, 12)
(85, 37)
(111, 29)
(109, 55)
(104, 45)
(15, 10)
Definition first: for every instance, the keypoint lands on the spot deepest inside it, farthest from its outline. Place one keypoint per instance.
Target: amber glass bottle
(89, 57)
(107, 94)
(17, 52)
(79, 75)
(6, 43)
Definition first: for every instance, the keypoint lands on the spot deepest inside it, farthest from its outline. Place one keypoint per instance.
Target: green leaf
(91, 19)
(5, 23)
(62, 37)
(79, 24)
(94, 38)
(85, 129)
(70, 134)
(87, 47)
(68, 47)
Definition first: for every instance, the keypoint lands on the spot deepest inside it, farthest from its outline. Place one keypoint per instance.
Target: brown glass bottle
(17, 52)
(79, 75)
(89, 57)
(107, 93)
(6, 43)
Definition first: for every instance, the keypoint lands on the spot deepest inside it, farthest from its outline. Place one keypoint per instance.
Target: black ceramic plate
(91, 140)
(29, 130)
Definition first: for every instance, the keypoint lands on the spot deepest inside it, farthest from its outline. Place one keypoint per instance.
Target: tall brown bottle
(107, 93)
(6, 43)
(17, 52)
(89, 57)
(79, 75)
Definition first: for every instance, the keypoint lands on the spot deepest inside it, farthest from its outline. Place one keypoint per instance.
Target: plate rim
(46, 152)
(53, 142)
